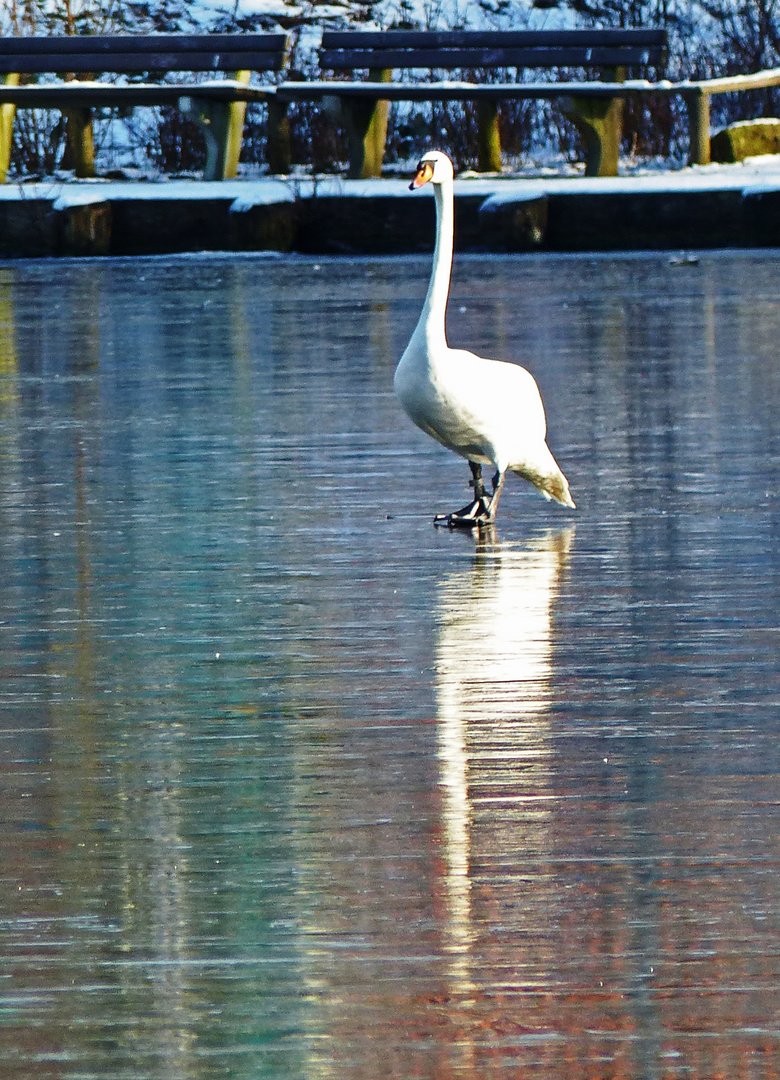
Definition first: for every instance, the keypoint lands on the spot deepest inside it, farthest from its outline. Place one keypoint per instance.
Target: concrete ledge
(649, 220)
(515, 224)
(730, 206)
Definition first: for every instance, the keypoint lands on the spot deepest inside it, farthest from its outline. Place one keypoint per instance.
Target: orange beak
(422, 176)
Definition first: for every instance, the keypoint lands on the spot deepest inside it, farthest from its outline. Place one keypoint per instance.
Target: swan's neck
(433, 315)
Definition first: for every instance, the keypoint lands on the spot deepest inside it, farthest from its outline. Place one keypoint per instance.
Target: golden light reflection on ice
(493, 672)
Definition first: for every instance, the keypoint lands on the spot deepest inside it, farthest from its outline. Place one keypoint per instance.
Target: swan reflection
(493, 674)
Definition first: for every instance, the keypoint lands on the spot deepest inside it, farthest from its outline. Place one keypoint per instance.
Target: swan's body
(488, 411)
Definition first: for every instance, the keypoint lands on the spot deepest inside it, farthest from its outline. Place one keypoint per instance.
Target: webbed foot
(471, 516)
(476, 513)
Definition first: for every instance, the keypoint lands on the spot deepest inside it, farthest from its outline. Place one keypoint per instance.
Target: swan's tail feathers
(553, 485)
(546, 476)
(557, 487)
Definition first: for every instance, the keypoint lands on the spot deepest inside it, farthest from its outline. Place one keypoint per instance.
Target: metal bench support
(366, 125)
(7, 112)
(698, 105)
(80, 142)
(222, 126)
(488, 137)
(278, 152)
(600, 122)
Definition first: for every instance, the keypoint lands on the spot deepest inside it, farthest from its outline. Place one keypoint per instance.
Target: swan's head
(435, 168)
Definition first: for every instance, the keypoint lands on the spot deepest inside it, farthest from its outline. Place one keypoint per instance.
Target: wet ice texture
(294, 785)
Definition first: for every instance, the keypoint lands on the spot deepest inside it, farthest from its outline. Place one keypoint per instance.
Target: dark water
(293, 785)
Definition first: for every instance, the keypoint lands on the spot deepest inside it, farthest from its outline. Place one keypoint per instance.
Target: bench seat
(594, 105)
(216, 106)
(85, 94)
(452, 90)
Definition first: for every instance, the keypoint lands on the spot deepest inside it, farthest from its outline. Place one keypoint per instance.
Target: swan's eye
(423, 175)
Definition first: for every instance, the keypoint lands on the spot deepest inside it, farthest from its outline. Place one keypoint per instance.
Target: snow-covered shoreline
(753, 174)
(700, 206)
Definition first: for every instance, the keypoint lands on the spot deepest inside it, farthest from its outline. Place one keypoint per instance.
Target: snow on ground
(753, 175)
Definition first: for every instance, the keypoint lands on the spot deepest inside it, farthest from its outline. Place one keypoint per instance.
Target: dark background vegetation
(707, 38)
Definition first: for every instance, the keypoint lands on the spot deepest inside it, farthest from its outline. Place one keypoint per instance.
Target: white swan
(488, 411)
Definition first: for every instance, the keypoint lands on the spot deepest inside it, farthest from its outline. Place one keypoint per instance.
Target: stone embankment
(717, 206)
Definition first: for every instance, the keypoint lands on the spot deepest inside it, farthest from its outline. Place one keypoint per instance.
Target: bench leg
(698, 106)
(600, 122)
(488, 137)
(222, 126)
(277, 143)
(366, 124)
(7, 113)
(80, 143)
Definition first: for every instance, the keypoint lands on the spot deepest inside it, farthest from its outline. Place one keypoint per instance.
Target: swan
(488, 411)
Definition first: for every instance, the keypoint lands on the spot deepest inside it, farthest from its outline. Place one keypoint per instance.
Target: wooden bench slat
(106, 95)
(135, 61)
(148, 43)
(460, 91)
(411, 39)
(592, 56)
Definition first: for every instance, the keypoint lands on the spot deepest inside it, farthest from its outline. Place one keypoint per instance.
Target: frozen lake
(294, 786)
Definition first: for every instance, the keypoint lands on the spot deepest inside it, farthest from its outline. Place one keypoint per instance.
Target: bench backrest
(347, 50)
(153, 52)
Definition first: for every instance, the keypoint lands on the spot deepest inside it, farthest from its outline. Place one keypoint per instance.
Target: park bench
(594, 105)
(216, 106)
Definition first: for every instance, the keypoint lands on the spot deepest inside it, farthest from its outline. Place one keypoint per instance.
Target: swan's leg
(477, 482)
(498, 487)
(477, 512)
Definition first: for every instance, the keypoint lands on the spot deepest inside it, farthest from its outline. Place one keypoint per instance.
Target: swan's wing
(502, 398)
(487, 410)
